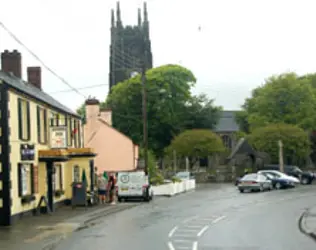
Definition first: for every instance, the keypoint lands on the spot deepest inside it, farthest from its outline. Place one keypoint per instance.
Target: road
(213, 217)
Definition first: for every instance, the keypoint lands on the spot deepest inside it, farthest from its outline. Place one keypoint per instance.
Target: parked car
(254, 182)
(304, 177)
(279, 181)
(185, 175)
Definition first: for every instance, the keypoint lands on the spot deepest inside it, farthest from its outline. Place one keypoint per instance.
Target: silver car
(254, 182)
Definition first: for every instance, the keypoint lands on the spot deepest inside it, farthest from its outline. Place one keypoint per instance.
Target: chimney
(92, 110)
(34, 76)
(12, 62)
(106, 115)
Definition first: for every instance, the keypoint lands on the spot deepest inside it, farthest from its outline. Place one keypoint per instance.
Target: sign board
(27, 152)
(58, 137)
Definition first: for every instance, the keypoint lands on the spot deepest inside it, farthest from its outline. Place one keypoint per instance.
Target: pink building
(115, 151)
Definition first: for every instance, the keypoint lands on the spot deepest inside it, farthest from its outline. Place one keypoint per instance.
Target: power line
(37, 57)
(86, 87)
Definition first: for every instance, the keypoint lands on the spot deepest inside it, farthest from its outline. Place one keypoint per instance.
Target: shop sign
(58, 137)
(27, 152)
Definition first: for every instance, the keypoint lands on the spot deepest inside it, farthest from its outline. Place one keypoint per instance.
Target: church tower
(130, 48)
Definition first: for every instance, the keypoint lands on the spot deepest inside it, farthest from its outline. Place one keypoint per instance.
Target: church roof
(227, 122)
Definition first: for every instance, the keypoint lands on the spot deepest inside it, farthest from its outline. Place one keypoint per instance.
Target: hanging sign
(58, 137)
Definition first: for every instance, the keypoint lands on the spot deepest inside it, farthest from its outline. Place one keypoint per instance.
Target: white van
(133, 185)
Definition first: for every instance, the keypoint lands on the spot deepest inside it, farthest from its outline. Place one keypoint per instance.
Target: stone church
(130, 49)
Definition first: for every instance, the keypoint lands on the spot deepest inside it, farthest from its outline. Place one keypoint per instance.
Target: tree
(196, 144)
(202, 113)
(286, 98)
(296, 144)
(169, 105)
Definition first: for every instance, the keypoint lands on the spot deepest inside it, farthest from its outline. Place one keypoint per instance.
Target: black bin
(79, 194)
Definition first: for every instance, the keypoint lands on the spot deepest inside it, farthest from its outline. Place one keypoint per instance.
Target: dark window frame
(20, 120)
(70, 131)
(39, 124)
(20, 184)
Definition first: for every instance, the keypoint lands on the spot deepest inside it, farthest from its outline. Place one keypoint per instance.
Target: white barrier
(171, 189)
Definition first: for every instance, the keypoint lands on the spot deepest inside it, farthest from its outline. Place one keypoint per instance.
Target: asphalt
(213, 217)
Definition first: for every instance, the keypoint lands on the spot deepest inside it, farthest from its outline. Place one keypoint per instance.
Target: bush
(157, 179)
(176, 179)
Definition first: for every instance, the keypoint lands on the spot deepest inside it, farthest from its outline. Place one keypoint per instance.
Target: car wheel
(278, 185)
(305, 181)
(241, 190)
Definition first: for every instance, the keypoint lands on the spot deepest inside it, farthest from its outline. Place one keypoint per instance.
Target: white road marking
(183, 236)
(205, 219)
(182, 240)
(172, 231)
(190, 218)
(187, 230)
(202, 231)
(195, 245)
(170, 246)
(218, 219)
(193, 226)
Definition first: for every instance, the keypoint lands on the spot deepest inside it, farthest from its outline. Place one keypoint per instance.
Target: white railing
(170, 189)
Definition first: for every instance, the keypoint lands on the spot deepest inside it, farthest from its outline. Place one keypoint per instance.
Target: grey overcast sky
(240, 43)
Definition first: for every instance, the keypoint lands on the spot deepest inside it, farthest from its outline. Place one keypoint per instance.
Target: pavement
(213, 217)
(45, 231)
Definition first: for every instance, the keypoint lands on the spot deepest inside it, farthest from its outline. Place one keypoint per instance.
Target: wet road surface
(213, 217)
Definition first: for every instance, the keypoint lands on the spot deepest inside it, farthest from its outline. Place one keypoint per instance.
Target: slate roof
(242, 147)
(30, 90)
(227, 122)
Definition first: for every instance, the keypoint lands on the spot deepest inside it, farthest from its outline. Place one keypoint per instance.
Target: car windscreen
(183, 175)
(297, 170)
(250, 177)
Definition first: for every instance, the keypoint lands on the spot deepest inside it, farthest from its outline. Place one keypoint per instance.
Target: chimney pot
(12, 62)
(34, 76)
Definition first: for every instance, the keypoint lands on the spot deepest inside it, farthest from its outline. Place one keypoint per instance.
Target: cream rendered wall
(17, 207)
(15, 143)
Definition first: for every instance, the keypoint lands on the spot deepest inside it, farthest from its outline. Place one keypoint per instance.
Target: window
(79, 134)
(58, 178)
(69, 135)
(75, 133)
(25, 177)
(76, 174)
(24, 120)
(41, 125)
(227, 141)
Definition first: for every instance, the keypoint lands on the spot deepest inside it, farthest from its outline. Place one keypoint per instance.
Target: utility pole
(144, 101)
(281, 164)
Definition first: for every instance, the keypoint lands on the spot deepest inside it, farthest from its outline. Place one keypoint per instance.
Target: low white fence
(170, 189)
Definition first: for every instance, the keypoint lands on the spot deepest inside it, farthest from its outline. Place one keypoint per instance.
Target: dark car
(305, 177)
(277, 181)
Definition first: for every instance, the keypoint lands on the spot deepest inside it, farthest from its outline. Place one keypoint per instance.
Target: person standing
(111, 188)
(102, 189)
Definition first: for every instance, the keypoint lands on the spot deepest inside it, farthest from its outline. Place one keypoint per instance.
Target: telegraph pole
(144, 101)
(281, 164)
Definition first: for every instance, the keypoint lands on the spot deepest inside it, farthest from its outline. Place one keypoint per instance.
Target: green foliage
(156, 178)
(242, 121)
(197, 143)
(296, 144)
(170, 106)
(175, 179)
(285, 98)
(240, 134)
